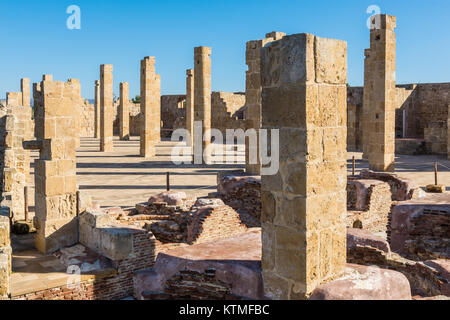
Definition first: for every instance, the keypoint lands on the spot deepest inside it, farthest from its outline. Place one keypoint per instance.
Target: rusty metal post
(25, 191)
(168, 181)
(353, 166)
(436, 173)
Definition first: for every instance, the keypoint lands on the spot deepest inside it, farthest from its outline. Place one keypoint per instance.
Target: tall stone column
(106, 108)
(124, 112)
(304, 205)
(55, 173)
(448, 133)
(26, 93)
(150, 108)
(366, 104)
(381, 93)
(190, 104)
(97, 110)
(202, 101)
(253, 95)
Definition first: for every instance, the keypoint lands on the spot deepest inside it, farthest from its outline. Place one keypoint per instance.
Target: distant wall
(424, 107)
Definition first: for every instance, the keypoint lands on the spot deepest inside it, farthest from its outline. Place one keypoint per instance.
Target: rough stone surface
(150, 107)
(55, 170)
(304, 204)
(420, 228)
(369, 204)
(365, 283)
(379, 95)
(230, 265)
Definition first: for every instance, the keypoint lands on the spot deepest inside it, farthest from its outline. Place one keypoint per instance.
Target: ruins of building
(308, 231)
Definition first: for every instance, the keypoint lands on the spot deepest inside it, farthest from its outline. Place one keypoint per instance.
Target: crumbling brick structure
(55, 170)
(380, 93)
(211, 223)
(303, 219)
(150, 107)
(369, 205)
(202, 101)
(106, 108)
(253, 90)
(124, 112)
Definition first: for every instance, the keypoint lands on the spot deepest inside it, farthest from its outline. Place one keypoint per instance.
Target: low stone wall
(211, 223)
(225, 269)
(402, 189)
(130, 249)
(243, 194)
(428, 278)
(369, 204)
(411, 147)
(421, 229)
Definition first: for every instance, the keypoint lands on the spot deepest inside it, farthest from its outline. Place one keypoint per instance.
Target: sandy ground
(122, 178)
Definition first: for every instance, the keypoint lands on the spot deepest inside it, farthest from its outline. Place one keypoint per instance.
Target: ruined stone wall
(226, 111)
(130, 249)
(87, 120)
(426, 110)
(213, 223)
(15, 128)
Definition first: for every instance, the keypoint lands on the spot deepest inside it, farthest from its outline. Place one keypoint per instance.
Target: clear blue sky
(35, 40)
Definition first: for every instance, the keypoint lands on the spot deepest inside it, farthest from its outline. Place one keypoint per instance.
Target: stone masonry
(97, 110)
(202, 101)
(124, 112)
(253, 92)
(150, 107)
(106, 108)
(304, 205)
(15, 127)
(25, 88)
(5, 253)
(190, 104)
(448, 133)
(380, 95)
(55, 170)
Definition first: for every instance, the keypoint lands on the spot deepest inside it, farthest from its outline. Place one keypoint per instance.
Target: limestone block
(365, 283)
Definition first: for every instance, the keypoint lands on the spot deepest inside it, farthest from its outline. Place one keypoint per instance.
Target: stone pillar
(448, 133)
(55, 170)
(97, 115)
(304, 205)
(381, 93)
(106, 108)
(202, 100)
(253, 94)
(124, 112)
(26, 93)
(5, 253)
(366, 104)
(150, 108)
(15, 127)
(190, 104)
